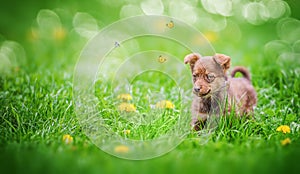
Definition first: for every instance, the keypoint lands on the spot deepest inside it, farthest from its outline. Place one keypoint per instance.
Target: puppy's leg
(200, 110)
(199, 121)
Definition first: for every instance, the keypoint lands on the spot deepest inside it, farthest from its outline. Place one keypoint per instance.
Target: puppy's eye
(194, 75)
(210, 77)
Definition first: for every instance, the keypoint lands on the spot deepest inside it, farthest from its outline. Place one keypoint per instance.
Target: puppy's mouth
(202, 94)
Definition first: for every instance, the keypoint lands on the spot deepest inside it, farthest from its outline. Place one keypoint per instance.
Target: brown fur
(215, 93)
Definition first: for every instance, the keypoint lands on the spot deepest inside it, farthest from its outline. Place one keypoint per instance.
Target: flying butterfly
(170, 24)
(117, 44)
(161, 59)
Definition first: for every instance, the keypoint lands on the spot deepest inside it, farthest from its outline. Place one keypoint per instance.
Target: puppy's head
(208, 72)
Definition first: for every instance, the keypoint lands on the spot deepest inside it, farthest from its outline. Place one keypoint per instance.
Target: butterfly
(117, 44)
(161, 59)
(170, 24)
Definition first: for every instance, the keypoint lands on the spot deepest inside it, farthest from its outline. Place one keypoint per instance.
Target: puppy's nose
(197, 89)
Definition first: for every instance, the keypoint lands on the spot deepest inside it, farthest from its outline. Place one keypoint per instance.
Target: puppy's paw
(197, 124)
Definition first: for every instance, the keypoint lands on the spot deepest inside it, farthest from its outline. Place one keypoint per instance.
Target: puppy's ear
(222, 60)
(191, 59)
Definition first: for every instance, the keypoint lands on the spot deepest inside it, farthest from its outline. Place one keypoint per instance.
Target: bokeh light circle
(255, 13)
(106, 61)
(277, 8)
(85, 25)
(296, 47)
(12, 55)
(288, 29)
(275, 48)
(5, 64)
(222, 7)
(152, 7)
(130, 10)
(183, 11)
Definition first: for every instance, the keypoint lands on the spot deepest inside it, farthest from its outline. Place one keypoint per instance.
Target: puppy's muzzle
(197, 89)
(200, 91)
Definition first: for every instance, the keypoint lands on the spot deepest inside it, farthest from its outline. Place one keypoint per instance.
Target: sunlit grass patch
(150, 109)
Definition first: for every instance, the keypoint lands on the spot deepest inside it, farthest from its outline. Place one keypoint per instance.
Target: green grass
(37, 109)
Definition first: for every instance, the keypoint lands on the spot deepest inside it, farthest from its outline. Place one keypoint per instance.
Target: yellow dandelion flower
(286, 142)
(165, 104)
(284, 129)
(68, 139)
(59, 33)
(126, 132)
(125, 97)
(121, 149)
(127, 107)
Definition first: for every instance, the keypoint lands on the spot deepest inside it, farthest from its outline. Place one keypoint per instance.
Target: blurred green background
(17, 16)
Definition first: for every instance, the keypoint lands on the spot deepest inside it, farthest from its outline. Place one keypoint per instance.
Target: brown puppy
(215, 93)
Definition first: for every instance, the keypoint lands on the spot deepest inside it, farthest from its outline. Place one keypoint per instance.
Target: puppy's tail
(242, 70)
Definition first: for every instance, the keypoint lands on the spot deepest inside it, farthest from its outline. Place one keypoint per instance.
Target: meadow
(41, 128)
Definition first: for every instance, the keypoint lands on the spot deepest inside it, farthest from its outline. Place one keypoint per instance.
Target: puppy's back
(242, 91)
